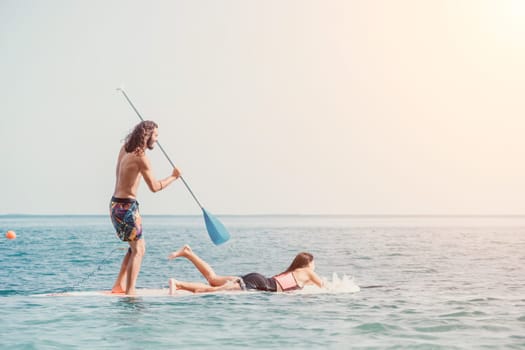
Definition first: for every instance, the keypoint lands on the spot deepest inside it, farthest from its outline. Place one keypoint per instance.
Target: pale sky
(268, 107)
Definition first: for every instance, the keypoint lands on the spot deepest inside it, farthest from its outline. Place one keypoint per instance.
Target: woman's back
(306, 275)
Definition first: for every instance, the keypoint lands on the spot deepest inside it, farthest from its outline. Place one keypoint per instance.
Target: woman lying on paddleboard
(300, 273)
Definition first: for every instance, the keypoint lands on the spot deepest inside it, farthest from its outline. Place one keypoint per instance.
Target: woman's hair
(140, 137)
(300, 260)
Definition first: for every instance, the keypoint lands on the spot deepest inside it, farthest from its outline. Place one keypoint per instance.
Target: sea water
(438, 283)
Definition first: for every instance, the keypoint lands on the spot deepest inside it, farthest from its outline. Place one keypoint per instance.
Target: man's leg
(138, 248)
(120, 283)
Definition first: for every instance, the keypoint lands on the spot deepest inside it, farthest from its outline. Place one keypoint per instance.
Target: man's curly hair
(140, 137)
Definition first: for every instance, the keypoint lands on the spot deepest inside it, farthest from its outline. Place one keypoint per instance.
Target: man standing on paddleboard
(132, 165)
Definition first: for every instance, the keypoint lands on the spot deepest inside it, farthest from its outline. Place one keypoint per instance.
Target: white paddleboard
(164, 292)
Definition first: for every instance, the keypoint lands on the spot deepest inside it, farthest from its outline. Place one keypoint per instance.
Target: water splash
(336, 285)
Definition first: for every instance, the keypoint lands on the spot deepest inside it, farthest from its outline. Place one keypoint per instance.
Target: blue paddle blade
(216, 229)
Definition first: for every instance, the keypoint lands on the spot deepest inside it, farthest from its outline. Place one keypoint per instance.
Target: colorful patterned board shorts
(126, 218)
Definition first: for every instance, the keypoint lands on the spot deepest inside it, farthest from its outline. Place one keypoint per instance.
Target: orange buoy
(10, 235)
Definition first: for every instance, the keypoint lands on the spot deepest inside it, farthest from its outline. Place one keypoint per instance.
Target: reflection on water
(132, 303)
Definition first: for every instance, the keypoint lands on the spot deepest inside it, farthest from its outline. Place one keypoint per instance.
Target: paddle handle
(160, 146)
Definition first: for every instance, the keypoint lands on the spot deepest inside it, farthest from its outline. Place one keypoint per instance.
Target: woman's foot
(184, 251)
(173, 285)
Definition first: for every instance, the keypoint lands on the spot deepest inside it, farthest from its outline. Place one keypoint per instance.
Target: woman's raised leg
(204, 268)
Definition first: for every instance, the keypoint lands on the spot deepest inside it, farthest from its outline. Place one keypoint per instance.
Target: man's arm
(120, 155)
(153, 184)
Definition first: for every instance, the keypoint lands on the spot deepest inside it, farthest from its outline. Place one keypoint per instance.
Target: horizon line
(286, 214)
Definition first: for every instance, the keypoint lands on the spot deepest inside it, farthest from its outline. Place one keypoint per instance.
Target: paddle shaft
(160, 146)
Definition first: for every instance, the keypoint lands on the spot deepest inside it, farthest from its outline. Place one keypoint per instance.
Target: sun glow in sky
(310, 107)
(506, 20)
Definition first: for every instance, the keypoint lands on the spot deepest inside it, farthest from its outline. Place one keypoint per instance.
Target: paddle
(215, 228)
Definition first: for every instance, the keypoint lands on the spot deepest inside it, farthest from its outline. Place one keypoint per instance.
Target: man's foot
(184, 251)
(173, 285)
(117, 290)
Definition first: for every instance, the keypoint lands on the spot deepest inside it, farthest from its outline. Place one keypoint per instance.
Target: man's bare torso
(128, 174)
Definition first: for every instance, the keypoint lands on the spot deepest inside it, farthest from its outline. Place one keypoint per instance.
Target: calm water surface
(445, 283)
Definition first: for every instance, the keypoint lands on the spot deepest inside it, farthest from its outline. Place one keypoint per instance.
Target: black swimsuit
(257, 281)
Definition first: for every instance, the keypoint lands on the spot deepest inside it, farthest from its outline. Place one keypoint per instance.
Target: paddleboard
(142, 292)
